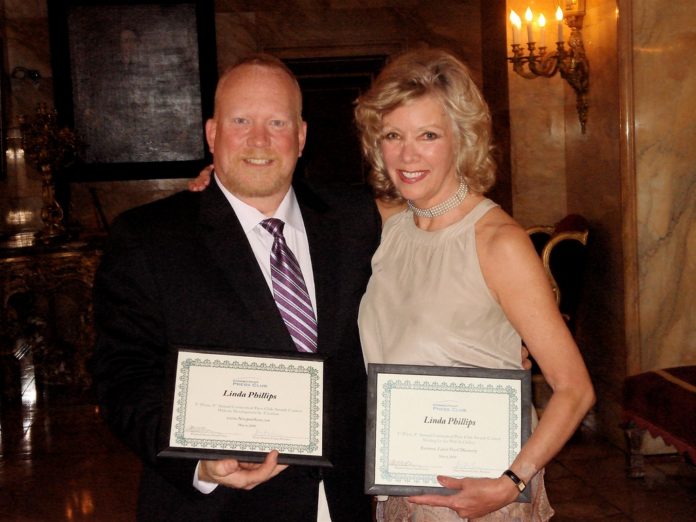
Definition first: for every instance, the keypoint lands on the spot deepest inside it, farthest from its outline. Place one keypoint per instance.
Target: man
(194, 270)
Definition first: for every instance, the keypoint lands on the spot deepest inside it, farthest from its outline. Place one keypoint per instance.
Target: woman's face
(418, 148)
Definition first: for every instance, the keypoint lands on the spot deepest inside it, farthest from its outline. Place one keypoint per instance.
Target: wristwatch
(519, 483)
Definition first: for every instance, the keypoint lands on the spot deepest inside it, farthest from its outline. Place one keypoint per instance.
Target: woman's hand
(202, 181)
(476, 496)
(240, 475)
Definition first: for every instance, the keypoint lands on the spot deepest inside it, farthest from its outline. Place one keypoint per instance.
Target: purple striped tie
(290, 291)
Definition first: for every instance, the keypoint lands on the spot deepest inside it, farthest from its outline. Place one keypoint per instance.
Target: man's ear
(302, 137)
(210, 131)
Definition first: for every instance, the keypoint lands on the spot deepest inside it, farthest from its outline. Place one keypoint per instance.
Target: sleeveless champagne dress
(428, 304)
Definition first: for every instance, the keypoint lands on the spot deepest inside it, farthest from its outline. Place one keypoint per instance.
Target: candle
(542, 30)
(559, 19)
(516, 23)
(528, 17)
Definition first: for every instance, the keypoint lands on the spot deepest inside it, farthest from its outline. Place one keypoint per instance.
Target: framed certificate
(243, 405)
(424, 421)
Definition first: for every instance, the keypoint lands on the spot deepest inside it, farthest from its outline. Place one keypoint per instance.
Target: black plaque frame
(372, 488)
(247, 456)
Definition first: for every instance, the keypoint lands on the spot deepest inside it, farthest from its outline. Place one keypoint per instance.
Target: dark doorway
(330, 86)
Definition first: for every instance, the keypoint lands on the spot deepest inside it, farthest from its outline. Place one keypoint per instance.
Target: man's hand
(240, 475)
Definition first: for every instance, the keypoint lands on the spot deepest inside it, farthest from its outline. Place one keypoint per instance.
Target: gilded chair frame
(580, 236)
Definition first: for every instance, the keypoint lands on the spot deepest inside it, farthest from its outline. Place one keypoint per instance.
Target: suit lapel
(324, 240)
(229, 248)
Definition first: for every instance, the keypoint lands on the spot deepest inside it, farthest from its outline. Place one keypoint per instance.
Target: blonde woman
(456, 281)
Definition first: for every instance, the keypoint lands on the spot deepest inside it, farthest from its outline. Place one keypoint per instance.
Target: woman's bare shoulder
(498, 233)
(503, 244)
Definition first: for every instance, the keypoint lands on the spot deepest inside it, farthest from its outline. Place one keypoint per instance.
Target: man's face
(256, 134)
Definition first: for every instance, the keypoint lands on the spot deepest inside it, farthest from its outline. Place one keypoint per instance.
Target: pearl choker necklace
(444, 207)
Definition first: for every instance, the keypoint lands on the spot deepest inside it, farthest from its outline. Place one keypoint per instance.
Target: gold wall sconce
(572, 63)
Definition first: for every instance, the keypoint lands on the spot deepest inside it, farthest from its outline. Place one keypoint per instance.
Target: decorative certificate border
(209, 429)
(388, 472)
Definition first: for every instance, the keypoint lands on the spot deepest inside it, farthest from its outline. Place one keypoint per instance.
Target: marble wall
(537, 130)
(347, 28)
(559, 170)
(665, 131)
(594, 189)
(631, 175)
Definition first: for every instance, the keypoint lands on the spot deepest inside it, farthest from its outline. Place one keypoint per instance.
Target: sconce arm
(572, 64)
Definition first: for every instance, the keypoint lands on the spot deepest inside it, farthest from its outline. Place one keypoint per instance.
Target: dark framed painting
(135, 79)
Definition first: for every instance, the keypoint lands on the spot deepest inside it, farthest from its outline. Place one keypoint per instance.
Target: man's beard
(259, 185)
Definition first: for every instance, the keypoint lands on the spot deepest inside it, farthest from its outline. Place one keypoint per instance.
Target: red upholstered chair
(663, 402)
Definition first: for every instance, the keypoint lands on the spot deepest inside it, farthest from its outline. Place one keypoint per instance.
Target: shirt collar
(249, 217)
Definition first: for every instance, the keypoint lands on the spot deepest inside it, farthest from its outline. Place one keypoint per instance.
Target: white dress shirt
(261, 242)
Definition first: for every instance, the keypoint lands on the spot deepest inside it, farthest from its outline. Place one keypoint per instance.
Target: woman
(456, 281)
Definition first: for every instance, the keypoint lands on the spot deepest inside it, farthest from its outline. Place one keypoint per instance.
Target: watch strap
(519, 483)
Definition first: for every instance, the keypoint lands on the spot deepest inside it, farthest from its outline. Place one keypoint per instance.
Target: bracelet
(519, 483)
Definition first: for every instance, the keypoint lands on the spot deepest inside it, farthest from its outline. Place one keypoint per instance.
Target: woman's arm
(514, 273)
(525, 294)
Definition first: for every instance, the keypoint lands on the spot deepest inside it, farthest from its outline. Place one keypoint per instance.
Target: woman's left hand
(475, 497)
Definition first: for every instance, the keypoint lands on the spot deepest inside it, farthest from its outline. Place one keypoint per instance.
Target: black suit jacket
(180, 271)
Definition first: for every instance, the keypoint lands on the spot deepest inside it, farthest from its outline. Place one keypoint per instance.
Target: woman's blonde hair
(420, 73)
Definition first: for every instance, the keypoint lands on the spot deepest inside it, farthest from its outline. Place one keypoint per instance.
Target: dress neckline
(469, 219)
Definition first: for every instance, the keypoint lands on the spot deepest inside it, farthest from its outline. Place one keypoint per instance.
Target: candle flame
(542, 21)
(559, 14)
(528, 15)
(515, 19)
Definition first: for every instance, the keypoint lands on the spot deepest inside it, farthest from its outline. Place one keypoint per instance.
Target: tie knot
(274, 226)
